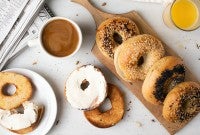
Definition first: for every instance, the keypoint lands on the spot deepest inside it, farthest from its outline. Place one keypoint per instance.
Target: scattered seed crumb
(181, 46)
(86, 53)
(199, 59)
(138, 124)
(185, 47)
(77, 62)
(198, 46)
(76, 14)
(128, 109)
(57, 122)
(130, 102)
(103, 4)
(153, 120)
(34, 63)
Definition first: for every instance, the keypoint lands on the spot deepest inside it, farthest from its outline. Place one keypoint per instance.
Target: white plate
(44, 95)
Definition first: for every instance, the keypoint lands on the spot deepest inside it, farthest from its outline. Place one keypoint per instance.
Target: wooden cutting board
(135, 88)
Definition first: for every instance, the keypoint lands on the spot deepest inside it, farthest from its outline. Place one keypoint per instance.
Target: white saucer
(44, 95)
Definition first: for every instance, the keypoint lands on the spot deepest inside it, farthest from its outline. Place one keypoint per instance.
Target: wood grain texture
(135, 88)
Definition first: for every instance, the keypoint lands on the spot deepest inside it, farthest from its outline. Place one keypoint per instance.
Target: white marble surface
(71, 121)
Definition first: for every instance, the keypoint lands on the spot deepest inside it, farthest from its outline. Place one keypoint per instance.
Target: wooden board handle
(97, 14)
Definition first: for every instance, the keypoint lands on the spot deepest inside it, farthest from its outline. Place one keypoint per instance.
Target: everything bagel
(113, 32)
(182, 103)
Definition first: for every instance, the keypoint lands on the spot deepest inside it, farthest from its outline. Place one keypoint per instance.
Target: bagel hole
(84, 84)
(191, 105)
(106, 105)
(117, 38)
(172, 82)
(140, 61)
(9, 89)
(20, 109)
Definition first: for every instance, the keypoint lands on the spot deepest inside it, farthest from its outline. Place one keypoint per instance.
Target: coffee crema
(60, 38)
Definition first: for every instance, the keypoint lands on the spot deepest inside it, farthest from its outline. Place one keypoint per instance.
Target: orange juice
(184, 14)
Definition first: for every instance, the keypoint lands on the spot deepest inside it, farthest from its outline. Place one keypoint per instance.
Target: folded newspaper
(20, 25)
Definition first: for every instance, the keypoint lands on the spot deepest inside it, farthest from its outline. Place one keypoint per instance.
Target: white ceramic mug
(38, 40)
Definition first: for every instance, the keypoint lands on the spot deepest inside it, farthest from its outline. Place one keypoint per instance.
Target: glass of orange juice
(182, 14)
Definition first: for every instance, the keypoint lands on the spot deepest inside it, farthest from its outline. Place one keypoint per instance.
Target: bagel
(23, 90)
(110, 117)
(182, 103)
(86, 88)
(161, 78)
(113, 32)
(21, 122)
(136, 55)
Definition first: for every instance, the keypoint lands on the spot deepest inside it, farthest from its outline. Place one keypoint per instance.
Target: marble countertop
(137, 120)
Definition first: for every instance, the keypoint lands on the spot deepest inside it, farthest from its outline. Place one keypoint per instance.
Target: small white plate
(44, 95)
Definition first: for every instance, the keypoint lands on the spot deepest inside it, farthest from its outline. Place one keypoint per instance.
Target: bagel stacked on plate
(17, 113)
(86, 89)
(141, 57)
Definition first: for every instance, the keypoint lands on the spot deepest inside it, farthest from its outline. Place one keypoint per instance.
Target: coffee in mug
(59, 37)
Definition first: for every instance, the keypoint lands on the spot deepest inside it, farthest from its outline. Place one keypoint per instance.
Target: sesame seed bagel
(182, 103)
(110, 117)
(162, 77)
(23, 90)
(136, 55)
(113, 32)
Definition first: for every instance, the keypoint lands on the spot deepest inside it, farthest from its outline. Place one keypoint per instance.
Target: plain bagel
(23, 90)
(110, 117)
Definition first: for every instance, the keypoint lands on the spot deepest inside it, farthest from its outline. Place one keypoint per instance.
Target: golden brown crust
(112, 116)
(33, 126)
(23, 90)
(120, 27)
(182, 103)
(119, 72)
(136, 56)
(161, 78)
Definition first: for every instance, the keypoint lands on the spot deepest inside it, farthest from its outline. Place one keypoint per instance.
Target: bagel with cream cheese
(86, 88)
(22, 123)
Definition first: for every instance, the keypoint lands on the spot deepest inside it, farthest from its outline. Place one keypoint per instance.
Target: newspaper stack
(20, 25)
